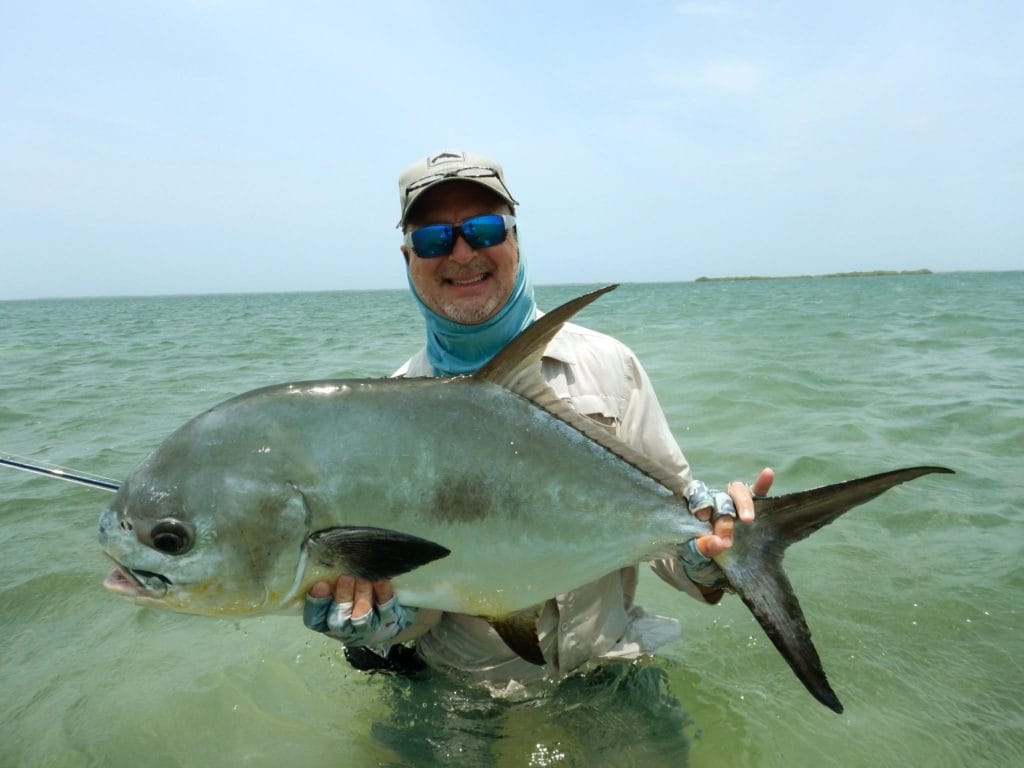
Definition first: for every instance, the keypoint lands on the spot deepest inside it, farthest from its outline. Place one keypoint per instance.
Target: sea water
(915, 600)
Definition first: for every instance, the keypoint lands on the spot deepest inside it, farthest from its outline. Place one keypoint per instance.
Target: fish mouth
(134, 582)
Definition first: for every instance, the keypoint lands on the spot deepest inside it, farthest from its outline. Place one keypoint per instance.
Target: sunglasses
(435, 240)
(472, 172)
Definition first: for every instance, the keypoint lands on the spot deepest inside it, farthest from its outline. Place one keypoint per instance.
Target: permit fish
(483, 495)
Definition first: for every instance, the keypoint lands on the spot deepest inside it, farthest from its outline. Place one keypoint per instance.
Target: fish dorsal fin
(517, 368)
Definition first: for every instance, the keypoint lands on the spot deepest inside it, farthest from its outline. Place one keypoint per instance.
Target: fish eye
(172, 537)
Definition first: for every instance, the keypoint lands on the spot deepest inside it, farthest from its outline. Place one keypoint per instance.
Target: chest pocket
(599, 409)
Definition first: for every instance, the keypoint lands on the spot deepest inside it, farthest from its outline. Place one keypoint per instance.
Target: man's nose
(462, 251)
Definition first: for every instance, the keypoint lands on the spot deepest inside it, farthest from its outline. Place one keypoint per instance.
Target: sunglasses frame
(508, 220)
(470, 172)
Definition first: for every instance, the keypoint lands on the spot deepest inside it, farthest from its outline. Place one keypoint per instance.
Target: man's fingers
(711, 545)
(719, 540)
(764, 481)
(382, 591)
(362, 600)
(344, 589)
(743, 496)
(320, 589)
(700, 500)
(742, 499)
(723, 528)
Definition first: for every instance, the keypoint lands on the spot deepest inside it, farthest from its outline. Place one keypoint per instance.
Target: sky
(229, 146)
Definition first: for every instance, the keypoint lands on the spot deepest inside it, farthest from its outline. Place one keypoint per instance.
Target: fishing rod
(60, 473)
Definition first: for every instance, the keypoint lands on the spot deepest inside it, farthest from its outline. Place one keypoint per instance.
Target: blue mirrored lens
(439, 239)
(435, 240)
(484, 231)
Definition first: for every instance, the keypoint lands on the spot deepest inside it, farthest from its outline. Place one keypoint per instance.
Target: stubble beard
(473, 313)
(470, 315)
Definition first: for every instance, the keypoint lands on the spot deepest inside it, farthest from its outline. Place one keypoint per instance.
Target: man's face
(468, 286)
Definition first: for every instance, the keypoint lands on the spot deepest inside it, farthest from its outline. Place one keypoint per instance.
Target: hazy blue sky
(231, 146)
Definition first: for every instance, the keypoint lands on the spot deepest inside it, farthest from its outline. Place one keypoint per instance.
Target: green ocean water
(914, 599)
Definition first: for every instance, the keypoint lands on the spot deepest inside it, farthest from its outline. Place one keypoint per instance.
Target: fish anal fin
(519, 632)
(372, 553)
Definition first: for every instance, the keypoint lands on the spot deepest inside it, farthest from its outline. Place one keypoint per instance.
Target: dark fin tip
(372, 553)
(519, 632)
(758, 578)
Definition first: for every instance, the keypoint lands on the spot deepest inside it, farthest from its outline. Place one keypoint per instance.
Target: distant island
(873, 273)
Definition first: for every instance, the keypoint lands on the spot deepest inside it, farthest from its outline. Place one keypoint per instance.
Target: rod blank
(60, 473)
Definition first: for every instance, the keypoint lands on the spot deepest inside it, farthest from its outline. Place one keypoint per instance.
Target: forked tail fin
(754, 564)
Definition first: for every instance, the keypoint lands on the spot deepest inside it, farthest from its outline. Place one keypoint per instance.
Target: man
(470, 280)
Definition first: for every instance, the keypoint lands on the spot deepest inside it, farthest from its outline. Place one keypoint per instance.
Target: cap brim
(492, 183)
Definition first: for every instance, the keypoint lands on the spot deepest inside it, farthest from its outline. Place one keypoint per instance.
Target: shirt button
(565, 626)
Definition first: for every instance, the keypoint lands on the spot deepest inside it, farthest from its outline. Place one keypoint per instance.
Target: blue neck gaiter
(455, 349)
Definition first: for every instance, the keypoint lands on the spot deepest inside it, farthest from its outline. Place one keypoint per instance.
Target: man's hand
(742, 498)
(721, 509)
(358, 613)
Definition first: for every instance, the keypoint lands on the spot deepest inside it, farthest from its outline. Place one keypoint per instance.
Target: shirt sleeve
(644, 425)
(645, 428)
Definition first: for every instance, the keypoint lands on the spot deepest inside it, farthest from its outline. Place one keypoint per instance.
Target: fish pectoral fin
(519, 632)
(372, 553)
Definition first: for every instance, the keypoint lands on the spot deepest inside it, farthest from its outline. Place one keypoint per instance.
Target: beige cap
(449, 165)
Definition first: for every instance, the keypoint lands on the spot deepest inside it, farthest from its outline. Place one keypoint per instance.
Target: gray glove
(698, 568)
(699, 496)
(381, 624)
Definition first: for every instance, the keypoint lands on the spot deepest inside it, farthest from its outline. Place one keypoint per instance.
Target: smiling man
(451, 277)
(470, 280)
